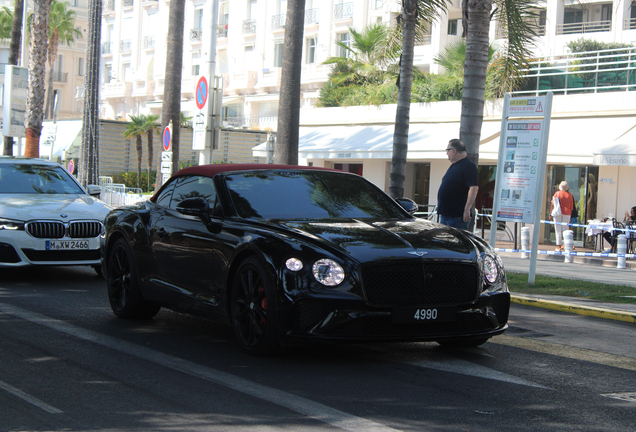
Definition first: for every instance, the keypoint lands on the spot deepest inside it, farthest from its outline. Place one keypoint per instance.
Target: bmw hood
(26, 207)
(370, 241)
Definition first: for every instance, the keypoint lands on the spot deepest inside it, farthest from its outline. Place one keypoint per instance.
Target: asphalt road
(67, 364)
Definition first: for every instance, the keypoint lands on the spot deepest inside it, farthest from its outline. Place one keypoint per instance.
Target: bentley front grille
(420, 283)
(56, 230)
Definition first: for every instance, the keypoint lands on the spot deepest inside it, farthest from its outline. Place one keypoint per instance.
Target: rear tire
(253, 307)
(463, 342)
(124, 295)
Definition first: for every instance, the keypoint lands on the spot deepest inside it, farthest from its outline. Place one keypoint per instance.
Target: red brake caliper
(263, 303)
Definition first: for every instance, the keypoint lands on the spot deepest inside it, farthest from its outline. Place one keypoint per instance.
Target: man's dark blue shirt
(453, 192)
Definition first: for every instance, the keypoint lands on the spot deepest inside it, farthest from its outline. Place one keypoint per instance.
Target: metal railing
(108, 6)
(584, 72)
(278, 21)
(584, 27)
(311, 16)
(125, 45)
(196, 34)
(222, 31)
(107, 47)
(149, 42)
(343, 11)
(127, 3)
(249, 26)
(59, 76)
(117, 195)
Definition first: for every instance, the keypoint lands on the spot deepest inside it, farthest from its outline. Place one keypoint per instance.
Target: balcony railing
(311, 16)
(584, 72)
(343, 11)
(585, 27)
(108, 6)
(222, 31)
(127, 3)
(107, 47)
(149, 42)
(629, 24)
(278, 22)
(125, 45)
(262, 121)
(59, 76)
(249, 26)
(196, 34)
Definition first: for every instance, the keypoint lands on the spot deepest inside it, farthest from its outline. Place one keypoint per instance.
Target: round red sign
(71, 166)
(201, 92)
(167, 138)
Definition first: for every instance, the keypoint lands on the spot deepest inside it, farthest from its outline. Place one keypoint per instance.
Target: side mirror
(408, 204)
(94, 190)
(194, 207)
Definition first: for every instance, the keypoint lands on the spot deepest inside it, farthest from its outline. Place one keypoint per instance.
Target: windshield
(36, 179)
(301, 195)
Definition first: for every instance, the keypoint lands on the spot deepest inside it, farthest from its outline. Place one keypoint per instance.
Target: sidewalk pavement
(580, 271)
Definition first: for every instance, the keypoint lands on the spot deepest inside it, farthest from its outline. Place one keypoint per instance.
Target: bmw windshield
(19, 178)
(309, 195)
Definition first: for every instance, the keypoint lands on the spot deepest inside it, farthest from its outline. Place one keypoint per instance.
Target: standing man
(457, 193)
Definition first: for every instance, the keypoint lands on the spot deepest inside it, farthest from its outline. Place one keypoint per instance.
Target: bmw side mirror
(408, 204)
(94, 190)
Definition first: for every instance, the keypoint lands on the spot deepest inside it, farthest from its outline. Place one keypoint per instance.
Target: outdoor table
(596, 229)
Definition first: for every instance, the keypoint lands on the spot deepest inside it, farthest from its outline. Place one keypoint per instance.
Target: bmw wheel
(123, 287)
(253, 309)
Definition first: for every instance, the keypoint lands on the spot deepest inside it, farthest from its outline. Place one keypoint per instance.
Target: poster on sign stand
(523, 152)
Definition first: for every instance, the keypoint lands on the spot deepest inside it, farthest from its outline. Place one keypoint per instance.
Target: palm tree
(185, 120)
(171, 110)
(14, 52)
(37, 72)
(365, 58)
(519, 34)
(150, 127)
(412, 10)
(286, 147)
(136, 129)
(61, 30)
(89, 160)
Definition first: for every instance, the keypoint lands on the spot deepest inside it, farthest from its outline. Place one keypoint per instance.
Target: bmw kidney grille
(52, 229)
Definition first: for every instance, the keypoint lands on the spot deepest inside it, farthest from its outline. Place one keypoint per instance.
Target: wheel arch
(234, 266)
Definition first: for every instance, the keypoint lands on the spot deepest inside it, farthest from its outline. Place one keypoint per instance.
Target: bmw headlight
(491, 269)
(9, 224)
(328, 272)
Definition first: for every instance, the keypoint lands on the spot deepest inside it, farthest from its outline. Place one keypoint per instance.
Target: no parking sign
(167, 138)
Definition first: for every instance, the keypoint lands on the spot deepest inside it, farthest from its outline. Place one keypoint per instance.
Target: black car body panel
(394, 269)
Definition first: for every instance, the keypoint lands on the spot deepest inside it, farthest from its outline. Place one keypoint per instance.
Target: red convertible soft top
(214, 169)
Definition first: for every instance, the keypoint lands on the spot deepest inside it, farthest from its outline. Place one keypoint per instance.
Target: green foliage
(6, 22)
(129, 179)
(583, 45)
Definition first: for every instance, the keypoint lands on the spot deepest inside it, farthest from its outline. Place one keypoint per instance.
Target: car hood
(370, 241)
(27, 207)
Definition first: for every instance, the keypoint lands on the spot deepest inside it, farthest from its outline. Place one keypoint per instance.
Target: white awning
(231, 100)
(574, 140)
(426, 141)
(262, 98)
(622, 152)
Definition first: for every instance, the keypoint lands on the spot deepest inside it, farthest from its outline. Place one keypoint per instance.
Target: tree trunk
(140, 150)
(14, 53)
(475, 68)
(48, 104)
(89, 160)
(402, 115)
(171, 109)
(150, 154)
(286, 148)
(37, 74)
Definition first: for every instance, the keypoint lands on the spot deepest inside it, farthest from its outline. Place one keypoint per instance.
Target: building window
(453, 26)
(198, 19)
(344, 38)
(80, 66)
(310, 54)
(352, 168)
(278, 54)
(196, 68)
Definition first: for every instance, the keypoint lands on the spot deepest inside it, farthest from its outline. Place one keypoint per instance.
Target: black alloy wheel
(123, 288)
(253, 309)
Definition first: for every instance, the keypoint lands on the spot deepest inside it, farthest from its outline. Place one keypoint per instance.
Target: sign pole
(211, 126)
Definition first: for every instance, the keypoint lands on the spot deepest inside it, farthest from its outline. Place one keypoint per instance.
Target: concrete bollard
(568, 243)
(621, 248)
(525, 242)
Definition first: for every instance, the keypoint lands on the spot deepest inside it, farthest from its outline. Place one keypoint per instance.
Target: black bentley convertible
(290, 254)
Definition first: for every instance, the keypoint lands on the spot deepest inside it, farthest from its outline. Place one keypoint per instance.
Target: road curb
(615, 315)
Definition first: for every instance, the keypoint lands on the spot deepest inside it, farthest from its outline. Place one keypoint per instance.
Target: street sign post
(523, 152)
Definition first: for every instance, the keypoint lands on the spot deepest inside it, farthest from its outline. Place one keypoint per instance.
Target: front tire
(123, 285)
(253, 309)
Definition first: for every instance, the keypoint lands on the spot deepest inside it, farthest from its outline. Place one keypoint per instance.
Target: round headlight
(294, 264)
(328, 272)
(490, 269)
